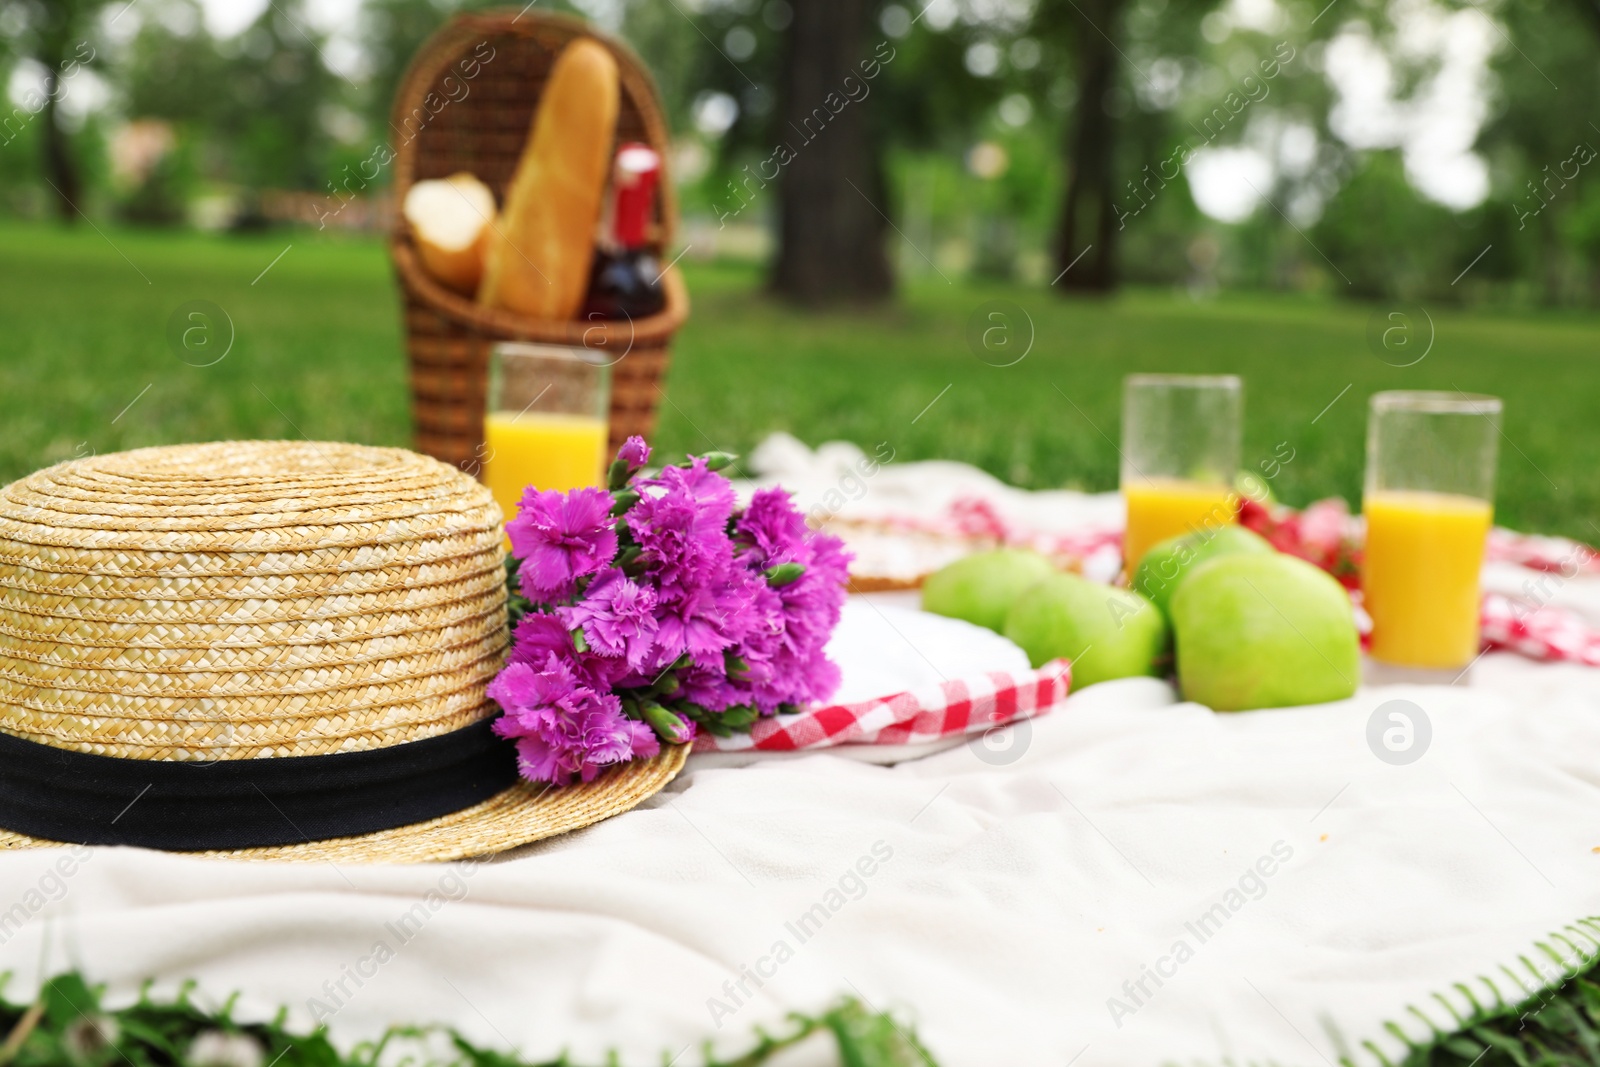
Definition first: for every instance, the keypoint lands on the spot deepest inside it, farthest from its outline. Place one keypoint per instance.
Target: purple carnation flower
(795, 667)
(692, 622)
(681, 524)
(561, 537)
(663, 525)
(711, 689)
(634, 452)
(696, 501)
(563, 728)
(616, 617)
(774, 528)
(539, 635)
(811, 608)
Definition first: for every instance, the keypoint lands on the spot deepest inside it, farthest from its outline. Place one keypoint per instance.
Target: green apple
(1106, 632)
(1263, 631)
(1168, 562)
(980, 588)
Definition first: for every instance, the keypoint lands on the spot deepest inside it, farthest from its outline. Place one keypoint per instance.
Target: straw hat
(265, 649)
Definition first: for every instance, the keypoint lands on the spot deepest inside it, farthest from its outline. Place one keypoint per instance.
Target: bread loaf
(539, 254)
(451, 219)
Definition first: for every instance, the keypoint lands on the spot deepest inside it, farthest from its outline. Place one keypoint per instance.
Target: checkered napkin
(1538, 631)
(1530, 626)
(951, 708)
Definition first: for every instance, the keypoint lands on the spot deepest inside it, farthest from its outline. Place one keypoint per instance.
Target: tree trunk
(832, 200)
(1089, 224)
(59, 167)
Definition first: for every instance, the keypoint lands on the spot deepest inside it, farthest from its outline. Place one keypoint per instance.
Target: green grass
(66, 1026)
(318, 352)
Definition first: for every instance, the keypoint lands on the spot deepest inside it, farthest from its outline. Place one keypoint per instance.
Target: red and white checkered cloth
(978, 520)
(952, 708)
(1538, 631)
(1552, 554)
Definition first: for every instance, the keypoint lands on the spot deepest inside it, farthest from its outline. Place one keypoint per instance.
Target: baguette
(451, 219)
(538, 256)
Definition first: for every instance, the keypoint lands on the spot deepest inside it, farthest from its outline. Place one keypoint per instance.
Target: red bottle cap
(637, 170)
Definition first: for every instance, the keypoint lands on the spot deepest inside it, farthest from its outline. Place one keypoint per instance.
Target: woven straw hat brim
(521, 815)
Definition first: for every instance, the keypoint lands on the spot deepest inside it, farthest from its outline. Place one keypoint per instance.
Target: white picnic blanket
(1128, 880)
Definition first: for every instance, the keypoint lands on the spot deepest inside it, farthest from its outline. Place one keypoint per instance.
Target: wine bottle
(626, 278)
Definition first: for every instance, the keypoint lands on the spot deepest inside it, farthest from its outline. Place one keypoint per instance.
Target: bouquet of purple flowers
(650, 609)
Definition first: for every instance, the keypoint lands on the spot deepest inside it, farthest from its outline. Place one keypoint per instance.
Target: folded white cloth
(1127, 880)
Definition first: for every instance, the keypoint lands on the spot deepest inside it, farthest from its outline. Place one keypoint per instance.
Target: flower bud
(739, 717)
(715, 461)
(783, 574)
(634, 453)
(671, 727)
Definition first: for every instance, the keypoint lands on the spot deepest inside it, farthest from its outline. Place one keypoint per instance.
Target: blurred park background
(1329, 198)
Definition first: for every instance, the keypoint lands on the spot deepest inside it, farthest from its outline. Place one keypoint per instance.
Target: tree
(57, 38)
(809, 103)
(392, 32)
(276, 87)
(1543, 150)
(1088, 209)
(1123, 126)
(782, 92)
(832, 198)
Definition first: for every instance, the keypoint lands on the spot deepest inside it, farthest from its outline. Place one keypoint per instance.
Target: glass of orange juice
(1428, 503)
(546, 421)
(1180, 452)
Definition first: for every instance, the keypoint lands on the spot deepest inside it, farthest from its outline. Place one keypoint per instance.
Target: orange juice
(1159, 508)
(541, 449)
(1420, 576)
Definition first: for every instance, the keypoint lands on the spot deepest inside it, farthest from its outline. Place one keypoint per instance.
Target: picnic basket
(466, 103)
